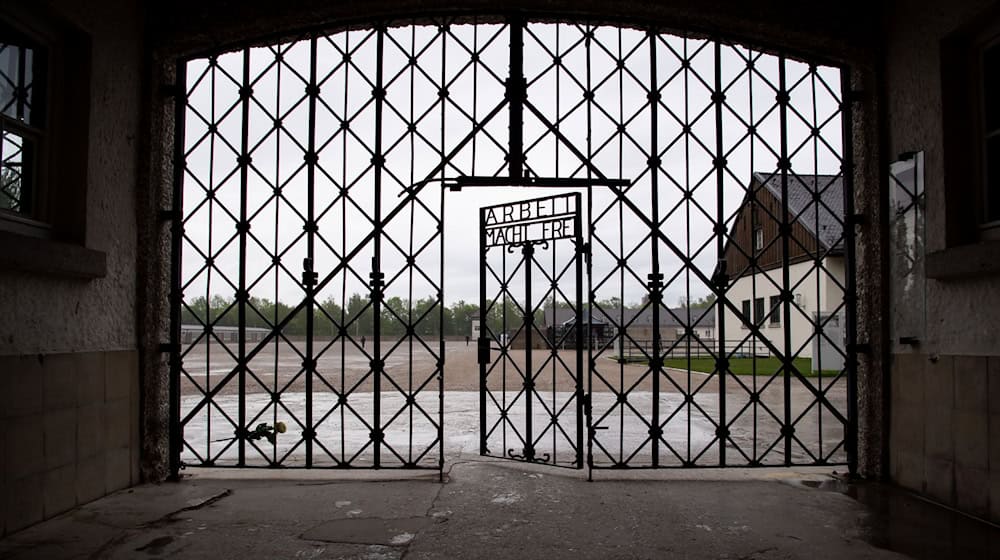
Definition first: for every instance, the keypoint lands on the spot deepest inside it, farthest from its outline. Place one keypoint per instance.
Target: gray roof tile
(827, 225)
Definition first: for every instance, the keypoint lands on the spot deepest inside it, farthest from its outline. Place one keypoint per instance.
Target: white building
(754, 257)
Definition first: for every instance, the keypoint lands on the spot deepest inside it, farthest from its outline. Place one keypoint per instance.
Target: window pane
(746, 310)
(775, 310)
(991, 87)
(15, 191)
(17, 91)
(758, 310)
(992, 179)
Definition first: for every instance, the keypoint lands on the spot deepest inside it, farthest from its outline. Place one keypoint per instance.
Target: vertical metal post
(176, 443)
(483, 343)
(850, 296)
(516, 87)
(377, 275)
(244, 225)
(441, 353)
(721, 364)
(655, 277)
(308, 273)
(528, 251)
(578, 294)
(589, 405)
(785, 232)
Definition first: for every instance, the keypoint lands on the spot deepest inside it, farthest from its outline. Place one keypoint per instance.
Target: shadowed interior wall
(69, 377)
(945, 396)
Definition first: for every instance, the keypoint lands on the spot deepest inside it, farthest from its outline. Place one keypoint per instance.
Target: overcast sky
(414, 93)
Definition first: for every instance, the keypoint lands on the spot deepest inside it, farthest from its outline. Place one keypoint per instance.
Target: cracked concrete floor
(484, 509)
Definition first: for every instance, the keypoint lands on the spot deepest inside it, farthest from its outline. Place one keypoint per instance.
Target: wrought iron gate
(308, 245)
(531, 394)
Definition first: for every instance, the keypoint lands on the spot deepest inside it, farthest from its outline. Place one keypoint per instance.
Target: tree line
(358, 316)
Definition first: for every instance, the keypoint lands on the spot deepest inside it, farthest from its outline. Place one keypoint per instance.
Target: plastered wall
(69, 373)
(47, 313)
(945, 393)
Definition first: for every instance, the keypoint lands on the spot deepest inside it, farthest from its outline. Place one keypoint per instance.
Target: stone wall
(945, 391)
(69, 374)
(70, 432)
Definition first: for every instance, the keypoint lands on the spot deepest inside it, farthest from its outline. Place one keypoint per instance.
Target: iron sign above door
(531, 396)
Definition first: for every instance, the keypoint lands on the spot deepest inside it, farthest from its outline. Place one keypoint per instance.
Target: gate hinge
(585, 250)
(173, 90)
(860, 348)
(168, 215)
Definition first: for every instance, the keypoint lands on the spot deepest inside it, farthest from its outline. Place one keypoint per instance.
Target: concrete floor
(498, 509)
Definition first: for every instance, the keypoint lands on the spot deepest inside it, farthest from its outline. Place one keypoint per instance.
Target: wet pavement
(501, 509)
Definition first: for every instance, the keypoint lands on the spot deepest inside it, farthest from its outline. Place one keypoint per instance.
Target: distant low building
(474, 328)
(638, 328)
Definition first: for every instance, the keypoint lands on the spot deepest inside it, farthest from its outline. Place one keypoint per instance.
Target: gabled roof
(827, 226)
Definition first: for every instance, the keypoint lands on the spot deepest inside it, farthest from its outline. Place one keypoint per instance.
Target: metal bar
(720, 170)
(245, 94)
(850, 294)
(535, 182)
(309, 276)
(589, 406)
(515, 99)
(785, 232)
(441, 310)
(176, 442)
(578, 294)
(655, 277)
(528, 383)
(377, 275)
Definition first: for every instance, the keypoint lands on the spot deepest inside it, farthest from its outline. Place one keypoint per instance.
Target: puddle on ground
(902, 522)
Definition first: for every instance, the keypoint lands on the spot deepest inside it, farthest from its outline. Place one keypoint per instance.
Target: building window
(970, 82)
(746, 314)
(990, 132)
(758, 311)
(775, 310)
(758, 239)
(22, 124)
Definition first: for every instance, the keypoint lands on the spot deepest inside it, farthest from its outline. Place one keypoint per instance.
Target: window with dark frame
(746, 314)
(989, 66)
(775, 318)
(758, 310)
(22, 124)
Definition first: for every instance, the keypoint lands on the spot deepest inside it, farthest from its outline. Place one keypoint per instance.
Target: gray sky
(345, 156)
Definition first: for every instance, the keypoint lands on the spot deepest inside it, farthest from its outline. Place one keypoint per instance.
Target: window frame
(53, 241)
(969, 244)
(746, 309)
(989, 229)
(774, 317)
(38, 221)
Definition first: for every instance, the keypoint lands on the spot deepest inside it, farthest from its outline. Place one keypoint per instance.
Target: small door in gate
(533, 331)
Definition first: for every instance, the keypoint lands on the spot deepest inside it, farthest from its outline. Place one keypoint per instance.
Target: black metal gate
(308, 290)
(531, 292)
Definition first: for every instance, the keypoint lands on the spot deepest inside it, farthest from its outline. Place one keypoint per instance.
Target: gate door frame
(524, 227)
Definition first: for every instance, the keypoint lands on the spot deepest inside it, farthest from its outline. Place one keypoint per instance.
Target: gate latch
(484, 350)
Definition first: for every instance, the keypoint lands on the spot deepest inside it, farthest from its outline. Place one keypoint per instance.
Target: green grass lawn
(745, 366)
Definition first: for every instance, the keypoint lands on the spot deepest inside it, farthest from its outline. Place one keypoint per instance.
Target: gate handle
(484, 350)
